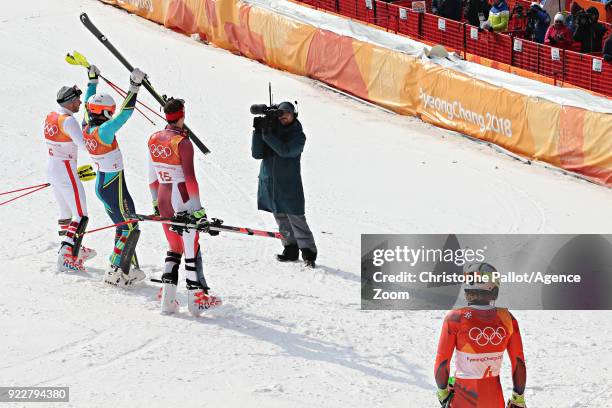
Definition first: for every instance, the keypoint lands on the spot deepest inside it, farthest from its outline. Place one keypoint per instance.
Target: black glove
(259, 122)
(215, 222)
(552, 40)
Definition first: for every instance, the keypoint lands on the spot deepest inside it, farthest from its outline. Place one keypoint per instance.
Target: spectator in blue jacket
(539, 20)
(278, 142)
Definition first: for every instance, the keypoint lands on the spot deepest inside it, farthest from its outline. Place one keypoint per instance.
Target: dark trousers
(295, 230)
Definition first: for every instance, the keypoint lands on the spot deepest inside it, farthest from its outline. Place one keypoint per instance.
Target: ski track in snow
(287, 336)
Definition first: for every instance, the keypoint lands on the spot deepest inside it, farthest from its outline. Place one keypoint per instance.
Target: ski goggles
(480, 276)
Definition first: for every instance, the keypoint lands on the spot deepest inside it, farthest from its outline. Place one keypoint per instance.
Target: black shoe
(290, 253)
(309, 256)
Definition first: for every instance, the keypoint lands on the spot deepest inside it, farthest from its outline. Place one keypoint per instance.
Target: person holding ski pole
(480, 333)
(175, 193)
(99, 133)
(63, 138)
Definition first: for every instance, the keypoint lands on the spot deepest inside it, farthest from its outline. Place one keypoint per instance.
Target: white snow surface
(287, 336)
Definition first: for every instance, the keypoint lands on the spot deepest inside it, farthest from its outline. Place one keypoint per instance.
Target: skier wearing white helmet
(99, 132)
(480, 334)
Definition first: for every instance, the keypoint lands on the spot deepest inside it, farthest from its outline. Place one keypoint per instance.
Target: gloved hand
(444, 395)
(86, 172)
(155, 208)
(92, 73)
(200, 218)
(136, 78)
(516, 401)
(259, 122)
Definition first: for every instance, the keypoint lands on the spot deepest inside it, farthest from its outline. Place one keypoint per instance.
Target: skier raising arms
(99, 133)
(63, 137)
(175, 191)
(481, 333)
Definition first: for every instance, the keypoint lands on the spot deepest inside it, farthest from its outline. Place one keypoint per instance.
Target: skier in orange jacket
(480, 333)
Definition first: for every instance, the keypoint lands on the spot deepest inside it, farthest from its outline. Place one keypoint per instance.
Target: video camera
(265, 110)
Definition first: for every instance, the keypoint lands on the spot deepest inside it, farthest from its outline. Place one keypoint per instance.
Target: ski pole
(119, 224)
(25, 194)
(117, 88)
(26, 188)
(146, 83)
(123, 94)
(79, 59)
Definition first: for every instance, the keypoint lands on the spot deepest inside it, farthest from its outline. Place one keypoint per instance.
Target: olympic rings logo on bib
(91, 145)
(488, 335)
(51, 130)
(163, 152)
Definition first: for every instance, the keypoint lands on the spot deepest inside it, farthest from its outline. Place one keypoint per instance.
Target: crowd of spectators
(578, 30)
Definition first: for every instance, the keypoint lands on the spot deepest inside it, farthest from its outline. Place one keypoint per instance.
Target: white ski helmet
(489, 284)
(101, 104)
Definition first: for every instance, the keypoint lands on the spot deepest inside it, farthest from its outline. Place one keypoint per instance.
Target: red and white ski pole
(32, 189)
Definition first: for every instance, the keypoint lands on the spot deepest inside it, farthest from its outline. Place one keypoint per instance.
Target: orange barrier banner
(571, 138)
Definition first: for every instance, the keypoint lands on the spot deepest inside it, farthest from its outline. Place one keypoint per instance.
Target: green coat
(280, 180)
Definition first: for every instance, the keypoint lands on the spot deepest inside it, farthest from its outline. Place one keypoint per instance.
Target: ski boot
(167, 296)
(290, 253)
(309, 256)
(169, 279)
(85, 254)
(68, 263)
(198, 299)
(115, 276)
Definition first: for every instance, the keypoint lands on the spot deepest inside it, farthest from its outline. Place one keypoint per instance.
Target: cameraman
(539, 19)
(558, 35)
(278, 140)
(589, 32)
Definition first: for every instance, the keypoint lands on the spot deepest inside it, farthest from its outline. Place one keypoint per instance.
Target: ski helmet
(101, 104)
(488, 286)
(68, 94)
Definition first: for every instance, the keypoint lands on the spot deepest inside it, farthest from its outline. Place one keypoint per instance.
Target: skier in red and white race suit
(63, 137)
(175, 191)
(480, 333)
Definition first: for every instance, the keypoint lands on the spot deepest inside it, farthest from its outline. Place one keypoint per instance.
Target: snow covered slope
(288, 337)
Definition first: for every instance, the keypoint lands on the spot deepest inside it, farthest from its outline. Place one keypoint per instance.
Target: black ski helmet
(287, 107)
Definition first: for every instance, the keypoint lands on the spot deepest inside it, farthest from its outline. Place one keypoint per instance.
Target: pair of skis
(161, 99)
(184, 223)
